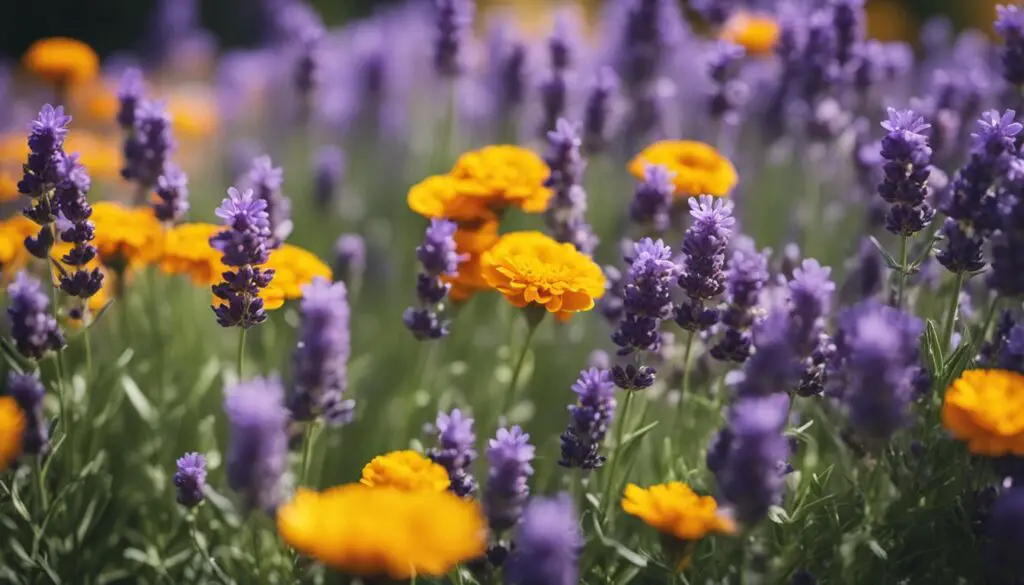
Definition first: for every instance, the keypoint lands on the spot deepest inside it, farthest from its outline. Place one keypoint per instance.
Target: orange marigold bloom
(8, 185)
(504, 176)
(61, 60)
(699, 168)
(405, 470)
(530, 267)
(438, 197)
(127, 236)
(194, 111)
(757, 33)
(187, 251)
(12, 430)
(473, 243)
(13, 232)
(101, 155)
(985, 409)
(673, 509)
(293, 269)
(370, 532)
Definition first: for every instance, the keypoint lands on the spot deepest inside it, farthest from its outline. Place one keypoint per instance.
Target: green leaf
(18, 504)
(628, 555)
(636, 436)
(207, 376)
(626, 575)
(933, 348)
(892, 262)
(18, 362)
(877, 550)
(139, 401)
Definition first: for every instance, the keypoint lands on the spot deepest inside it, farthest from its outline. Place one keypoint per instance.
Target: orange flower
(438, 197)
(61, 60)
(757, 33)
(194, 112)
(127, 236)
(101, 155)
(675, 510)
(985, 409)
(293, 269)
(12, 430)
(13, 232)
(504, 176)
(472, 243)
(405, 470)
(187, 251)
(699, 168)
(530, 267)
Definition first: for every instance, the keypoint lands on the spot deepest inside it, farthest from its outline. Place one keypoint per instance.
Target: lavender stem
(903, 271)
(947, 327)
(620, 430)
(685, 389)
(241, 351)
(510, 393)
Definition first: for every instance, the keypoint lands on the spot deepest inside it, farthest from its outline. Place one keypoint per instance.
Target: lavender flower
(748, 457)
(257, 453)
(703, 275)
(730, 93)
(774, 366)
(190, 480)
(129, 94)
(747, 275)
(328, 173)
(589, 420)
(149, 146)
(865, 273)
(244, 246)
(568, 206)
(308, 67)
(454, 451)
(42, 173)
(647, 297)
(28, 392)
(993, 349)
(555, 88)
(1007, 274)
(599, 111)
(1010, 26)
(548, 544)
(453, 20)
(509, 455)
(818, 68)
(647, 41)
(972, 202)
(875, 367)
(905, 186)
(320, 358)
(438, 257)
(1006, 531)
(811, 292)
(848, 24)
(265, 180)
(963, 252)
(612, 305)
(33, 329)
(349, 259)
(75, 228)
(172, 194)
(652, 201)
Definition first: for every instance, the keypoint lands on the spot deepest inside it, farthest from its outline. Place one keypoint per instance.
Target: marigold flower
(675, 510)
(985, 409)
(405, 470)
(439, 197)
(530, 267)
(384, 531)
(12, 430)
(699, 168)
(187, 251)
(61, 60)
(126, 236)
(471, 244)
(100, 154)
(757, 33)
(293, 268)
(13, 232)
(504, 176)
(8, 185)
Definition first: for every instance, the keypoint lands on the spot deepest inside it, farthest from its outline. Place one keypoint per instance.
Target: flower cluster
(1010, 26)
(908, 156)
(599, 110)
(568, 206)
(438, 258)
(589, 420)
(509, 455)
(703, 275)
(810, 296)
(28, 392)
(320, 358)
(149, 145)
(548, 544)
(454, 451)
(190, 480)
(746, 276)
(651, 206)
(244, 245)
(33, 328)
(554, 89)
(406, 471)
(257, 453)
(265, 181)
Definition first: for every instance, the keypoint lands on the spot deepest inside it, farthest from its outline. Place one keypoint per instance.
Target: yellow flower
(101, 155)
(504, 176)
(61, 60)
(12, 429)
(405, 470)
(438, 197)
(127, 236)
(757, 33)
(673, 509)
(383, 531)
(530, 267)
(194, 113)
(472, 243)
(13, 232)
(985, 409)
(699, 168)
(293, 269)
(187, 251)
(8, 184)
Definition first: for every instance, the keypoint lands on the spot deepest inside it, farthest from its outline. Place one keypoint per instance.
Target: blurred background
(114, 25)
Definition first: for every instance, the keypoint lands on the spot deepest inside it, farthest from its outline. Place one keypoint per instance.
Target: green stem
(307, 450)
(950, 321)
(903, 272)
(510, 393)
(41, 487)
(241, 352)
(687, 352)
(205, 553)
(88, 351)
(620, 431)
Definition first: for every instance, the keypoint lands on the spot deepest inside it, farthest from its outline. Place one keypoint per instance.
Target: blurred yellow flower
(8, 184)
(985, 409)
(504, 176)
(369, 532)
(530, 267)
(438, 197)
(472, 243)
(127, 236)
(757, 33)
(12, 430)
(96, 101)
(699, 168)
(13, 232)
(405, 470)
(62, 61)
(294, 268)
(194, 113)
(100, 154)
(673, 509)
(187, 252)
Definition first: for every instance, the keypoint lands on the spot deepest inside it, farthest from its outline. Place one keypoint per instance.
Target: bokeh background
(113, 25)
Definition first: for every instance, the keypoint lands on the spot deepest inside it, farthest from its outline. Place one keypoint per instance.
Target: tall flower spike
(1010, 26)
(566, 213)
(599, 111)
(704, 247)
(453, 19)
(265, 180)
(548, 544)
(244, 247)
(42, 173)
(589, 420)
(129, 94)
(907, 168)
(190, 480)
(320, 359)
(454, 450)
(730, 93)
(810, 294)
(647, 297)
(257, 453)
(747, 275)
(438, 257)
(171, 202)
(652, 201)
(349, 259)
(149, 146)
(34, 330)
(774, 366)
(75, 228)
(28, 392)
(509, 456)
(555, 88)
(328, 173)
(848, 23)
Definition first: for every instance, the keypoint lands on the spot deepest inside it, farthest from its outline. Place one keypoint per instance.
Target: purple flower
(244, 246)
(848, 24)
(774, 366)
(818, 68)
(328, 173)
(810, 292)
(906, 169)
(438, 257)
(42, 173)
(257, 453)
(747, 275)
(963, 252)
(1007, 274)
(454, 451)
(453, 19)
(349, 258)
(309, 66)
(704, 247)
(508, 455)
(652, 201)
(1006, 531)
(129, 94)
(190, 480)
(647, 297)
(548, 544)
(589, 420)
(265, 180)
(972, 199)
(1010, 26)
(73, 223)
(730, 93)
(28, 392)
(566, 213)
(555, 88)
(437, 254)
(320, 358)
(172, 194)
(149, 146)
(865, 273)
(611, 304)
(33, 328)
(599, 110)
(748, 457)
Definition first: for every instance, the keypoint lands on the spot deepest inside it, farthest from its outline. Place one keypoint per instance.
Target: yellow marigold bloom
(439, 197)
(194, 112)
(383, 531)
(405, 470)
(97, 101)
(127, 236)
(101, 155)
(673, 509)
(61, 60)
(985, 409)
(699, 168)
(13, 232)
(12, 429)
(293, 269)
(530, 267)
(8, 185)
(472, 243)
(504, 176)
(757, 33)
(187, 251)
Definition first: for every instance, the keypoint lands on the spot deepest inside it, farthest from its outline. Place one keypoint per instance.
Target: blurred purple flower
(704, 247)
(454, 451)
(548, 544)
(589, 420)
(33, 328)
(257, 453)
(746, 276)
(349, 258)
(190, 479)
(566, 213)
(28, 392)
(265, 180)
(320, 358)
(509, 456)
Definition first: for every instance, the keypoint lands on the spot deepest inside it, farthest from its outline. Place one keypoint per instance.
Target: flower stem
(204, 553)
(88, 351)
(307, 450)
(620, 431)
(510, 393)
(954, 304)
(241, 352)
(687, 352)
(903, 272)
